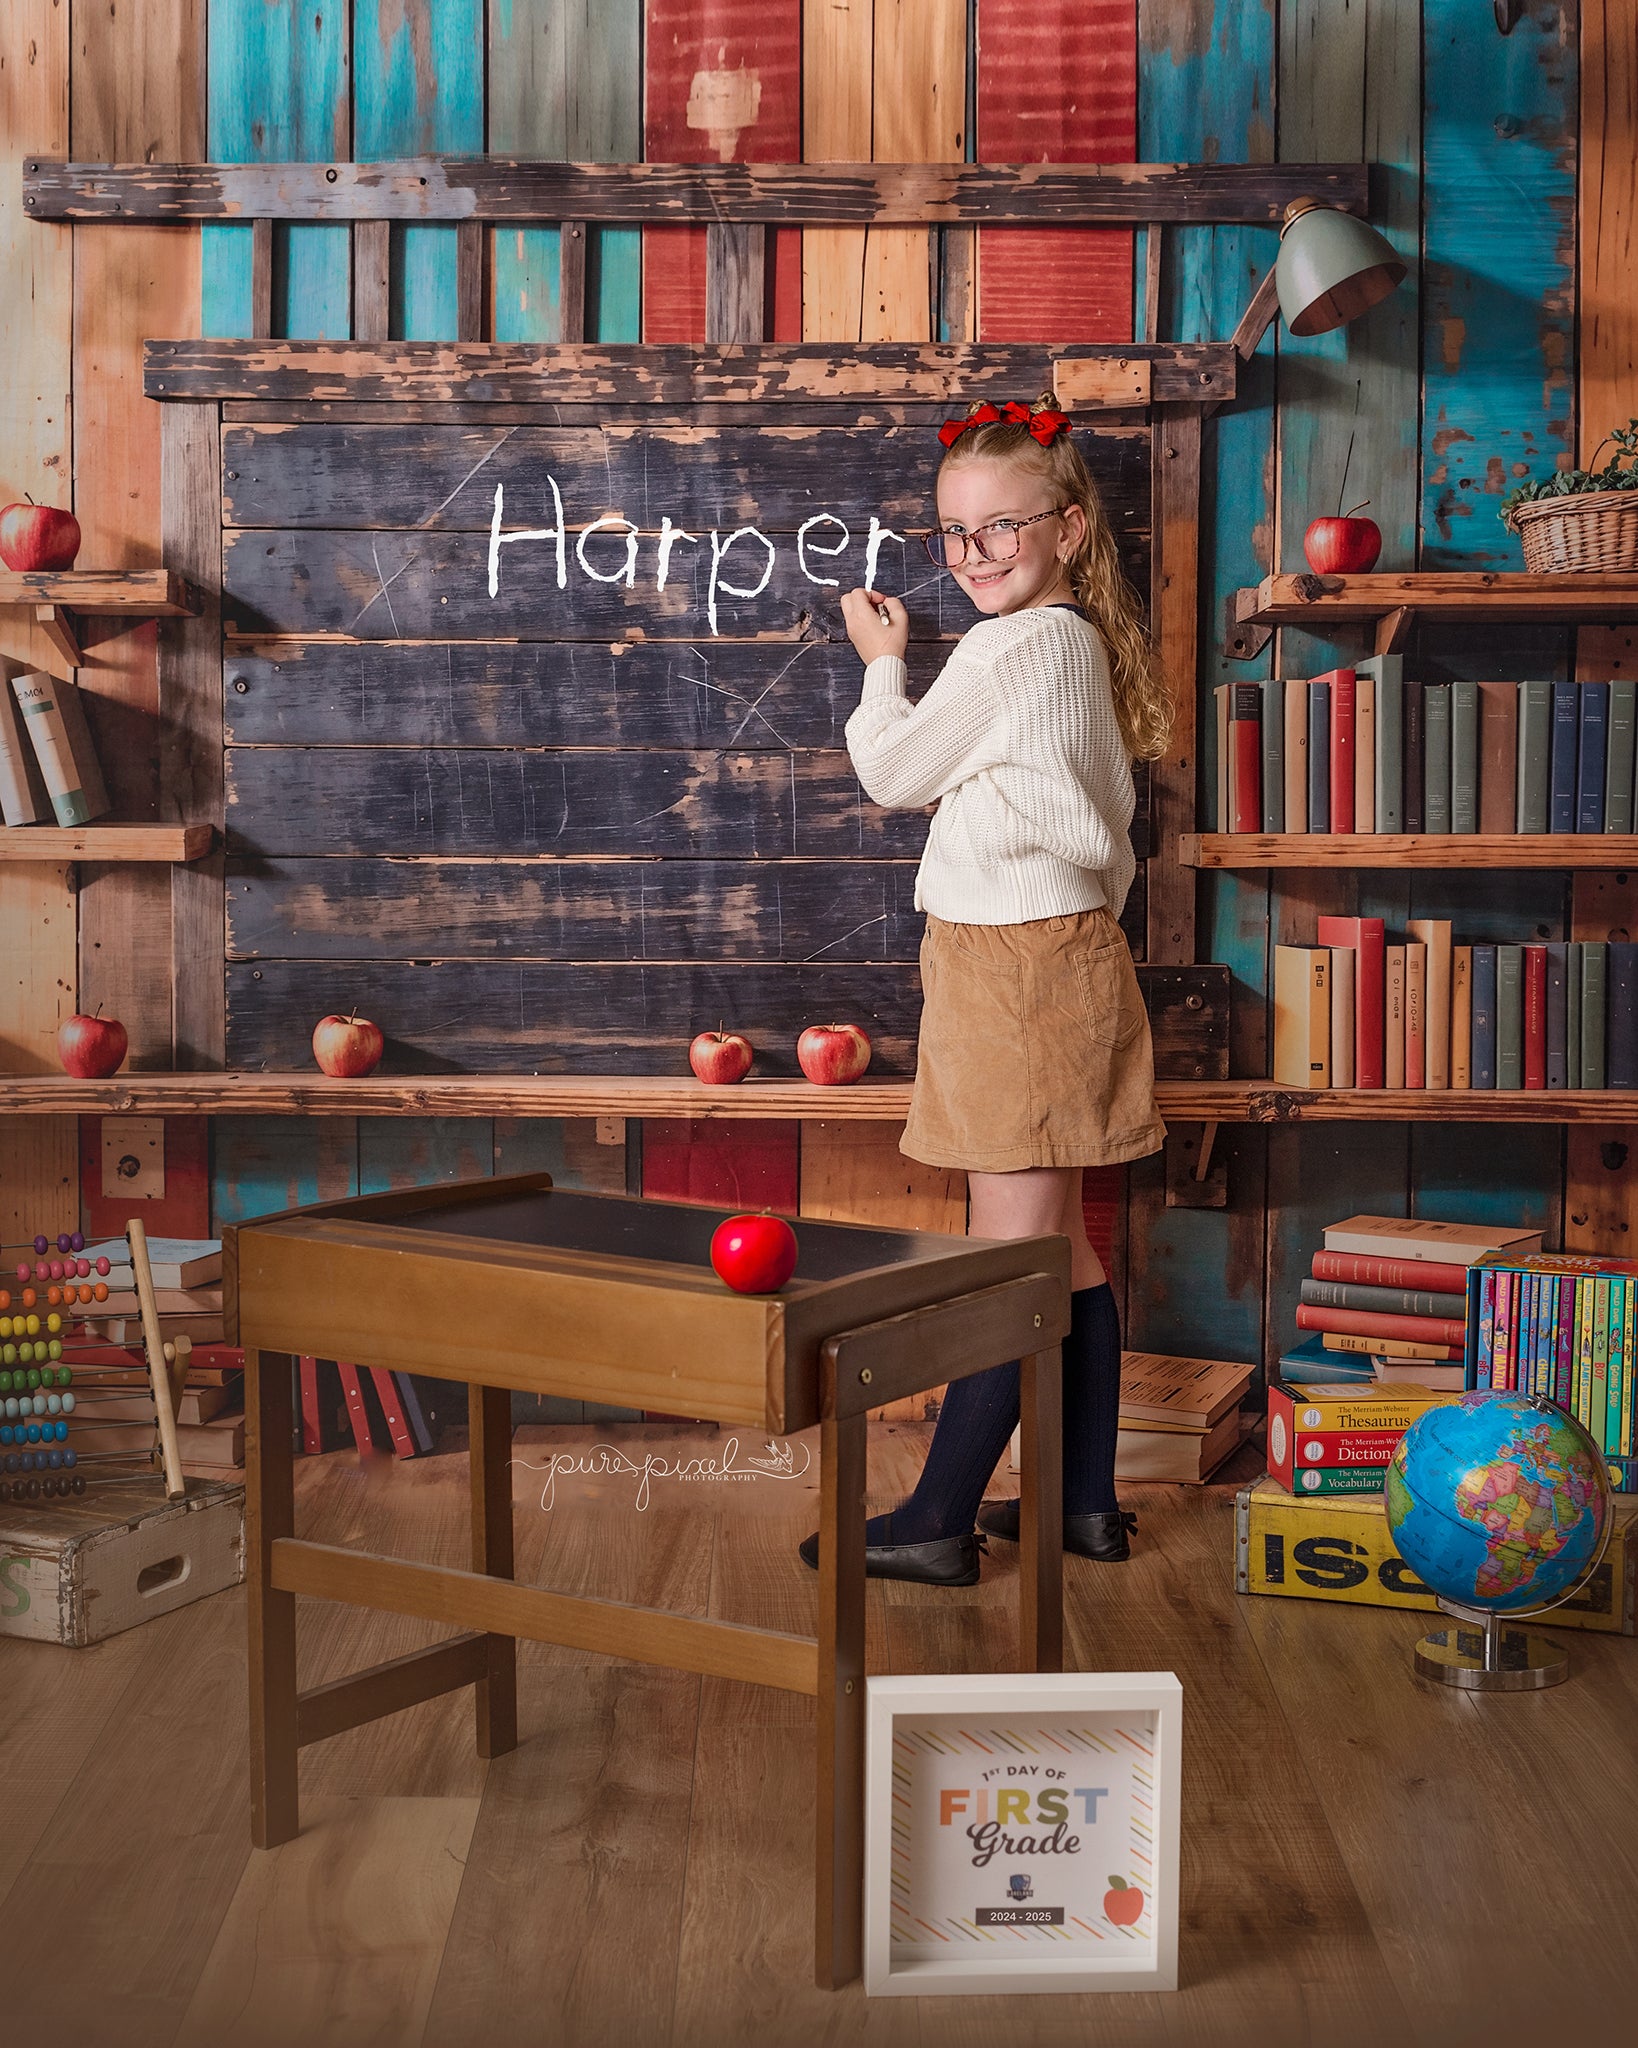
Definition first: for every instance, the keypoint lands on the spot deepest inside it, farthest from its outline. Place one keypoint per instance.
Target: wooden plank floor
(1364, 1855)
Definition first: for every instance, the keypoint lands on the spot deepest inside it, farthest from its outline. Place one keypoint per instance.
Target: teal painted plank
(261, 1165)
(418, 1151)
(1318, 1174)
(278, 88)
(418, 70)
(1194, 1277)
(1498, 308)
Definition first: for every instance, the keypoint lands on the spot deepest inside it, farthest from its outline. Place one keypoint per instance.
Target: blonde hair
(1142, 693)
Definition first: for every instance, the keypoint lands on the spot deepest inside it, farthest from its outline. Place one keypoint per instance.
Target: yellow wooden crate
(1339, 1548)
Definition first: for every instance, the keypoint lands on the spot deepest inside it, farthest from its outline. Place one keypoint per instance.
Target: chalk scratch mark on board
(385, 580)
(563, 779)
(756, 711)
(792, 759)
(842, 941)
(779, 912)
(465, 480)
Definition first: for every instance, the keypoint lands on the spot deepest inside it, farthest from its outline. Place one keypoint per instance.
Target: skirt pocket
(1110, 996)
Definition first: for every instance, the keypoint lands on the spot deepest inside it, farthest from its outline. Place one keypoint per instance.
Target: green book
(1618, 760)
(1436, 757)
(1273, 736)
(1389, 673)
(1572, 1029)
(1535, 755)
(1509, 1016)
(1595, 960)
(1464, 757)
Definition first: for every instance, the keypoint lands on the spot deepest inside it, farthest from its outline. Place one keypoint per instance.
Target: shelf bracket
(57, 624)
(1193, 1179)
(1393, 629)
(1243, 640)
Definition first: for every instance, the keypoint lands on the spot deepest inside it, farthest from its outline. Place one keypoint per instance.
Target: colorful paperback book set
(1363, 749)
(1561, 1325)
(1354, 1011)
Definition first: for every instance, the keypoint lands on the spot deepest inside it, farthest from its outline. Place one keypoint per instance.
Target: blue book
(1595, 717)
(1309, 1364)
(1566, 749)
(1484, 1016)
(1319, 757)
(1595, 954)
(1621, 1030)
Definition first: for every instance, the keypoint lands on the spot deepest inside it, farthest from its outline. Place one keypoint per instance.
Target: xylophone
(48, 1418)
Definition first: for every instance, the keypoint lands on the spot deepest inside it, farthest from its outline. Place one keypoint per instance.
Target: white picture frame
(1097, 1758)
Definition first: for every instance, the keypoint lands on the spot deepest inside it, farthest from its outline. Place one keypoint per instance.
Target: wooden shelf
(59, 596)
(888, 1101)
(1566, 850)
(1397, 601)
(156, 844)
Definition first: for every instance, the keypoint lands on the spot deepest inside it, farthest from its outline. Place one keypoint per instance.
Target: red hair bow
(1044, 425)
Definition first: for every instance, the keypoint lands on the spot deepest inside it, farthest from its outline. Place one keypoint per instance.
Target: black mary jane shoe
(945, 1561)
(1100, 1536)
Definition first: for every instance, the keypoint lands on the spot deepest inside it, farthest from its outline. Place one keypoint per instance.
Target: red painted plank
(1057, 83)
(183, 1210)
(1103, 1196)
(722, 84)
(738, 1163)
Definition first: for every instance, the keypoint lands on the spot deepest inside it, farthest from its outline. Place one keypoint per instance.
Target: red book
(1535, 1016)
(1367, 938)
(1358, 1322)
(1341, 681)
(1246, 758)
(1333, 1447)
(386, 1387)
(358, 1413)
(1437, 1279)
(322, 1426)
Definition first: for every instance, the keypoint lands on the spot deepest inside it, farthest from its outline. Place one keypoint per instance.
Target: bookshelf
(154, 844)
(1396, 602)
(1469, 850)
(60, 597)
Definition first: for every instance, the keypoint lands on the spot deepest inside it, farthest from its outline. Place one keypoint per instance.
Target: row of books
(48, 767)
(1355, 1012)
(1363, 749)
(115, 1398)
(1563, 1326)
(401, 1412)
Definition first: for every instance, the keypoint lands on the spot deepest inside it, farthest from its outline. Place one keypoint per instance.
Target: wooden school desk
(613, 1299)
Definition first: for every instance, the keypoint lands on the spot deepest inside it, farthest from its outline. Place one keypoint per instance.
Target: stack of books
(1179, 1417)
(1356, 1012)
(1331, 1440)
(112, 1387)
(1363, 749)
(405, 1413)
(187, 1275)
(1387, 1300)
(48, 768)
(1561, 1325)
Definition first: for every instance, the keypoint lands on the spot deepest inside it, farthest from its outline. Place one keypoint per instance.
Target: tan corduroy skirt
(1034, 1047)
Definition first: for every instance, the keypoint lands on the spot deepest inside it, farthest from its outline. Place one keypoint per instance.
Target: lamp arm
(1257, 318)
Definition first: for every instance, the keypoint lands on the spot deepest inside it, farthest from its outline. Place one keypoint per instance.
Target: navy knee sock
(981, 1412)
(1091, 1401)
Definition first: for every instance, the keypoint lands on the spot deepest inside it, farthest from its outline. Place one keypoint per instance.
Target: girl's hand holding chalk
(876, 625)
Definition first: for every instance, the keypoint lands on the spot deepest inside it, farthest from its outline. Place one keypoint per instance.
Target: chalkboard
(534, 734)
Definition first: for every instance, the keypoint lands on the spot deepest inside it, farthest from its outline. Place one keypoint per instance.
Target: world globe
(1498, 1501)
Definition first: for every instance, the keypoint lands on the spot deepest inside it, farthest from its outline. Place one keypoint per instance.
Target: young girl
(1034, 1058)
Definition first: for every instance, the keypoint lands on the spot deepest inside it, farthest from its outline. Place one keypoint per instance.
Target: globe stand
(1483, 1656)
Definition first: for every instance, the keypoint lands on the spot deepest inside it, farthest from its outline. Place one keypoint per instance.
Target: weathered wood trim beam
(402, 373)
(494, 188)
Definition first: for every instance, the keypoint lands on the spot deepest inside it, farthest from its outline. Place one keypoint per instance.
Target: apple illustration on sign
(754, 1254)
(831, 1053)
(1343, 546)
(36, 537)
(719, 1056)
(346, 1047)
(1123, 1903)
(91, 1048)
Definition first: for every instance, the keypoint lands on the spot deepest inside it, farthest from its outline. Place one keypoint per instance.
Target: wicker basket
(1592, 530)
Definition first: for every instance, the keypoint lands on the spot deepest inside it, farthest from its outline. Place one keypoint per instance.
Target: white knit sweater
(1017, 740)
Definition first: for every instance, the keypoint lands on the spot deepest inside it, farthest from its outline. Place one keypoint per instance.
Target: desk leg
(489, 1411)
(270, 1512)
(1041, 1489)
(838, 1902)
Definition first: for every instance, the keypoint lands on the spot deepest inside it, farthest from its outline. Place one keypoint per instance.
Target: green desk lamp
(1331, 268)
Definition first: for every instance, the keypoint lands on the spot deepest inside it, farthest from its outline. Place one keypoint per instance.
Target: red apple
(38, 537)
(1123, 1903)
(347, 1046)
(720, 1056)
(754, 1254)
(1344, 546)
(91, 1048)
(830, 1053)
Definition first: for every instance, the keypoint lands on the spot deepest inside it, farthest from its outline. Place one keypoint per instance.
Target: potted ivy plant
(1581, 518)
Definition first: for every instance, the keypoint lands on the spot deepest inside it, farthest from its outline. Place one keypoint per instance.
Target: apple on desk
(91, 1048)
(34, 537)
(833, 1053)
(1343, 546)
(346, 1047)
(719, 1057)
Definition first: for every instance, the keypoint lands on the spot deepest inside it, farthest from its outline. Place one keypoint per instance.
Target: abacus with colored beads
(47, 1425)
